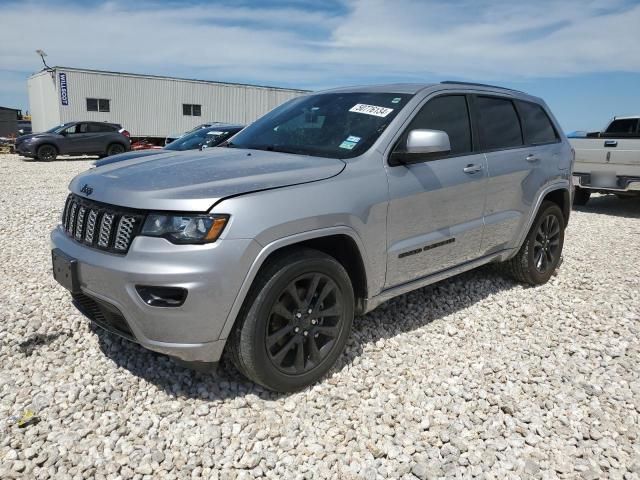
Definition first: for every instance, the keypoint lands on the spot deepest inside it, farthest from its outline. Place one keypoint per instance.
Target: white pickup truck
(608, 161)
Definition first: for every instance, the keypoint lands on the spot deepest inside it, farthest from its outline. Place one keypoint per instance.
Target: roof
(9, 108)
(413, 88)
(161, 77)
(631, 117)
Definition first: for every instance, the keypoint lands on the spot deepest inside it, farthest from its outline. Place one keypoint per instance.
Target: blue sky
(581, 56)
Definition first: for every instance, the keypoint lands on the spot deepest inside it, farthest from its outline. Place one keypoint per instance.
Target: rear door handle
(531, 158)
(610, 143)
(472, 168)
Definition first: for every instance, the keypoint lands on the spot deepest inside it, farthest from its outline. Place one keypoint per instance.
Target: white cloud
(374, 40)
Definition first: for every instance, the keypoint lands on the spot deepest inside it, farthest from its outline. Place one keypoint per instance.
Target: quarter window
(498, 123)
(98, 105)
(536, 124)
(447, 113)
(191, 109)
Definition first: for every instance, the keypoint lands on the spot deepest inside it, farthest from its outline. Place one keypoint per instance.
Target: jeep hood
(196, 180)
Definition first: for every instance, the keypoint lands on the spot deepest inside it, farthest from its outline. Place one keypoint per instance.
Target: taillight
(125, 133)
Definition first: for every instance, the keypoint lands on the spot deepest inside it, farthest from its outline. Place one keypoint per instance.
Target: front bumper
(623, 184)
(211, 273)
(26, 149)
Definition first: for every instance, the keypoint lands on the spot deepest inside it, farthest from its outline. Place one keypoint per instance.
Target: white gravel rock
(475, 376)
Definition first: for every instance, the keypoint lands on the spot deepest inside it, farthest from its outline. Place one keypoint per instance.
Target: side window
(73, 129)
(627, 127)
(498, 123)
(98, 127)
(82, 128)
(536, 124)
(447, 113)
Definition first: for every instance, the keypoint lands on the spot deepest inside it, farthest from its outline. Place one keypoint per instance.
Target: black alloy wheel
(295, 321)
(47, 153)
(546, 247)
(304, 323)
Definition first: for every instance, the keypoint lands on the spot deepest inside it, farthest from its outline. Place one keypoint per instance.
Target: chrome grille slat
(73, 210)
(105, 229)
(91, 225)
(101, 226)
(80, 222)
(124, 232)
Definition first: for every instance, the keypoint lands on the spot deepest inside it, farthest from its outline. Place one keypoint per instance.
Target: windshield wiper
(277, 148)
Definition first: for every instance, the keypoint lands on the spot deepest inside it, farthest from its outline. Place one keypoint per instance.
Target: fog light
(162, 296)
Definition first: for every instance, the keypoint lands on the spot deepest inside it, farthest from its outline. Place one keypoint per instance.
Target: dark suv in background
(75, 138)
(196, 140)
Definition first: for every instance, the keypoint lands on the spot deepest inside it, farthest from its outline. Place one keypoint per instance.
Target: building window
(191, 110)
(98, 105)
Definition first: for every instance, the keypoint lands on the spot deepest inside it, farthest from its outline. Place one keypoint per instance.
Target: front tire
(47, 153)
(581, 196)
(540, 253)
(295, 321)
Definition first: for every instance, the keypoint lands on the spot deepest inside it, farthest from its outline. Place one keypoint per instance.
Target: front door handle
(531, 158)
(472, 168)
(610, 143)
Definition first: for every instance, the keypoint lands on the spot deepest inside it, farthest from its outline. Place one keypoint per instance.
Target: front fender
(267, 250)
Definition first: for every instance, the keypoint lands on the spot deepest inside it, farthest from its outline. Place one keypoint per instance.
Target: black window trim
(435, 156)
(520, 115)
(475, 131)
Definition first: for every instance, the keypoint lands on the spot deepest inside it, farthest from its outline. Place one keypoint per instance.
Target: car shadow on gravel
(400, 315)
(612, 205)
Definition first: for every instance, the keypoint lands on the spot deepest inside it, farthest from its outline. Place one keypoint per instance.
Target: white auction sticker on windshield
(371, 110)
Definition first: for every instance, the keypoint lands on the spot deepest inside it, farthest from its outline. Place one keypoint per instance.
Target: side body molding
(277, 244)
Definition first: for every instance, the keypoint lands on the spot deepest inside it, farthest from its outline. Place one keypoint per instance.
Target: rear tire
(115, 149)
(581, 196)
(47, 153)
(276, 342)
(540, 253)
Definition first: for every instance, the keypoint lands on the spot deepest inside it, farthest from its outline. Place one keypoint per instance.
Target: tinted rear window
(499, 123)
(624, 126)
(536, 124)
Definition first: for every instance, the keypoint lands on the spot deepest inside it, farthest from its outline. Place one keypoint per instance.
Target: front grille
(101, 226)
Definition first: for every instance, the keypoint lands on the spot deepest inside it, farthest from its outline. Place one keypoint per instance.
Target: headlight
(185, 228)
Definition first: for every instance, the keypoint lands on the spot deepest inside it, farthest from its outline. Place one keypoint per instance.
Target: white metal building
(145, 105)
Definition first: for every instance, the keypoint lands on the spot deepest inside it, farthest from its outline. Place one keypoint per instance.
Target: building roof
(161, 77)
(9, 108)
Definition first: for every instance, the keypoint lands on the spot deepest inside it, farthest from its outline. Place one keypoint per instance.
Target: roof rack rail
(453, 82)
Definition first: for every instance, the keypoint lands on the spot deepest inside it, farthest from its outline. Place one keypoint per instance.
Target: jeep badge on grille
(86, 189)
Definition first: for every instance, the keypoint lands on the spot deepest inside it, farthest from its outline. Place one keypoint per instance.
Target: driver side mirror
(421, 144)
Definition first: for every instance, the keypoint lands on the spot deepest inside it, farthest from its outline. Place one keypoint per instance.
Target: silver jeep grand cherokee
(322, 209)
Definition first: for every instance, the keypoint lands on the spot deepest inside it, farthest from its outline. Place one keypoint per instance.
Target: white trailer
(145, 105)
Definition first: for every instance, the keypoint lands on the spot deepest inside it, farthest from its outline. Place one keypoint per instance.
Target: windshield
(335, 125)
(57, 128)
(194, 140)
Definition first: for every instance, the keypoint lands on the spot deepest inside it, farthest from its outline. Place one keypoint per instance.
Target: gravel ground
(475, 376)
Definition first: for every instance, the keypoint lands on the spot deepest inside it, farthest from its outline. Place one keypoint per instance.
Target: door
(622, 148)
(522, 149)
(87, 138)
(436, 206)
